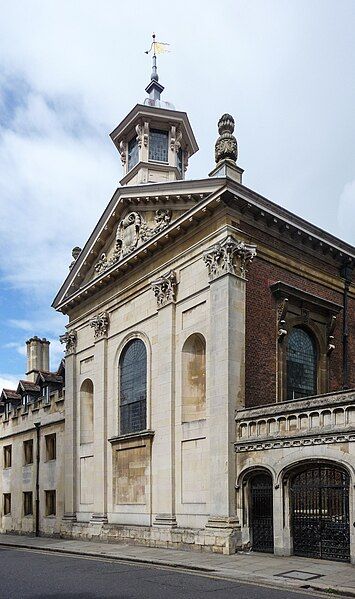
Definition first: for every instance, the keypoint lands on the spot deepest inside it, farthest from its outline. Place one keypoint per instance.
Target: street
(31, 574)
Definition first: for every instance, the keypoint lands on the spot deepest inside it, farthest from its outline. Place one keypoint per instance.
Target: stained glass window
(132, 153)
(301, 365)
(133, 387)
(158, 145)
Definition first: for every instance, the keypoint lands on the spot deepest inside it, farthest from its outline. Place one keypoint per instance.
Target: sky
(70, 70)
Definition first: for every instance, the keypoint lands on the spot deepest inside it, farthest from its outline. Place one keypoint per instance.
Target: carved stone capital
(228, 257)
(100, 324)
(165, 289)
(70, 339)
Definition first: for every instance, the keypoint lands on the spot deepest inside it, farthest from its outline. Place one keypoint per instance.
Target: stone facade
(181, 306)
(32, 452)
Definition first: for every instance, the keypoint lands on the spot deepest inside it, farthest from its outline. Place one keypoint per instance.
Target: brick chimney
(37, 356)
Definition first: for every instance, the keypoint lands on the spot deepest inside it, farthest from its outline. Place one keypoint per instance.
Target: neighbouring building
(210, 377)
(32, 447)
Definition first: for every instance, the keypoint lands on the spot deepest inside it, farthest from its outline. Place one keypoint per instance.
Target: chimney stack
(37, 357)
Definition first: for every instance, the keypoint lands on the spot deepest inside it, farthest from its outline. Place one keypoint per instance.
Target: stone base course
(223, 541)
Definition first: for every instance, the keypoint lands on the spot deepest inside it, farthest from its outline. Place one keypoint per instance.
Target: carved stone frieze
(100, 324)
(164, 289)
(131, 232)
(70, 340)
(299, 442)
(229, 256)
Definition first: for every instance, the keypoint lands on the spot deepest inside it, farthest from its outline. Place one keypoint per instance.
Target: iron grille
(133, 387)
(262, 514)
(320, 513)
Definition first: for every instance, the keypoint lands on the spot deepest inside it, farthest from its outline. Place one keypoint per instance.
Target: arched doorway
(261, 513)
(320, 512)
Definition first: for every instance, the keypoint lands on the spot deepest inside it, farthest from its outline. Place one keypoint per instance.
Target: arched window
(133, 387)
(87, 412)
(301, 364)
(194, 379)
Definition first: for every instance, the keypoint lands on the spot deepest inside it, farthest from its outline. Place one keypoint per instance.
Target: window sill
(147, 434)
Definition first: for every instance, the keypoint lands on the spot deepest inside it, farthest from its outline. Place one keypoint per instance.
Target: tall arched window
(301, 364)
(194, 379)
(133, 387)
(87, 412)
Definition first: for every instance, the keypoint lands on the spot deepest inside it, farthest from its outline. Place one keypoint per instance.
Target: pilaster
(100, 324)
(163, 405)
(227, 262)
(70, 341)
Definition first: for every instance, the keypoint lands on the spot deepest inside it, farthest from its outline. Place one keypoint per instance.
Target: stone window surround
(298, 308)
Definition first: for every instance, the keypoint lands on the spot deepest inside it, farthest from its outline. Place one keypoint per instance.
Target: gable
(137, 217)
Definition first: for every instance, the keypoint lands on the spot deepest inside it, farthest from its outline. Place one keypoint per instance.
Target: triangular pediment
(134, 219)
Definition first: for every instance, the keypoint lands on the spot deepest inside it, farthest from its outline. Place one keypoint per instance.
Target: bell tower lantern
(155, 141)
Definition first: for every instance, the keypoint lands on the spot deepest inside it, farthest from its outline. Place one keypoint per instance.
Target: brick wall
(261, 350)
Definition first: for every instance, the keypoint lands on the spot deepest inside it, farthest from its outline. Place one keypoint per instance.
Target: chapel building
(210, 360)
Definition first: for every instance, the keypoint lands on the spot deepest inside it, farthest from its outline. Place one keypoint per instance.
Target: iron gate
(261, 513)
(320, 513)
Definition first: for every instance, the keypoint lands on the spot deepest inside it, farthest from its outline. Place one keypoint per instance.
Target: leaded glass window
(133, 387)
(158, 145)
(301, 365)
(132, 153)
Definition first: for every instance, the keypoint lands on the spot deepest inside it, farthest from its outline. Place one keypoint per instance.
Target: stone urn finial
(226, 146)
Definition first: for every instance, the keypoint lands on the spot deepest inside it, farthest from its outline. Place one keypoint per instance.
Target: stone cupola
(155, 141)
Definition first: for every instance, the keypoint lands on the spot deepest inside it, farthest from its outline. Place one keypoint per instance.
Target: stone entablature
(321, 419)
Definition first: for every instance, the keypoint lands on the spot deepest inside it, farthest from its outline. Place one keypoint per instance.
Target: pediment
(130, 223)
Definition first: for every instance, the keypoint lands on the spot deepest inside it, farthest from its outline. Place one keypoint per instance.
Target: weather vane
(156, 48)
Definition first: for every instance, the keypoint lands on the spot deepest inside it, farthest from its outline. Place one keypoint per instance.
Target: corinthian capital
(69, 339)
(165, 289)
(100, 324)
(229, 256)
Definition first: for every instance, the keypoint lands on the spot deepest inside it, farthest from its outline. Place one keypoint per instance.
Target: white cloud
(346, 210)
(8, 381)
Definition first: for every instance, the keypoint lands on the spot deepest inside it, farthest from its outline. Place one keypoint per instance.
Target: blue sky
(71, 70)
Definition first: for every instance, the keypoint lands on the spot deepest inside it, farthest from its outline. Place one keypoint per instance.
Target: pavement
(295, 573)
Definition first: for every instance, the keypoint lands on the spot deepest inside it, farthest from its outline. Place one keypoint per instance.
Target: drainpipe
(38, 430)
(346, 273)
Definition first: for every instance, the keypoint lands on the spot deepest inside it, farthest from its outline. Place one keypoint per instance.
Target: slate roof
(29, 387)
(49, 377)
(10, 395)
